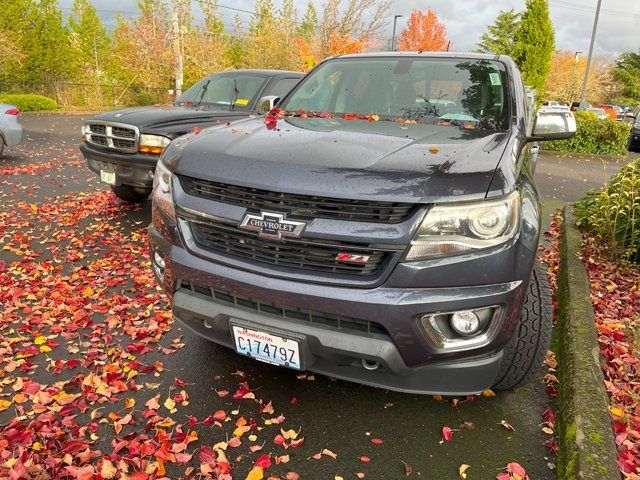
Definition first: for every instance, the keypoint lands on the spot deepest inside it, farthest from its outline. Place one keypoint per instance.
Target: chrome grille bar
(114, 136)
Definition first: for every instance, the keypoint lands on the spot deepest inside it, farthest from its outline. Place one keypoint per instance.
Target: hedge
(29, 102)
(605, 137)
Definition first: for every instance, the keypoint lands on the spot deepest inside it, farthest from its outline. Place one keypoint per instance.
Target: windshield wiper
(235, 94)
(204, 90)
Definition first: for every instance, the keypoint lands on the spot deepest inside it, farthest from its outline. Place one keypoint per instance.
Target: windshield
(467, 93)
(224, 91)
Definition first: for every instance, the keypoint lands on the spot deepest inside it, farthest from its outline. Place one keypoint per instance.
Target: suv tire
(131, 194)
(525, 352)
(1, 145)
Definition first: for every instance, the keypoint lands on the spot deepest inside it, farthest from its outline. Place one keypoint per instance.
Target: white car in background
(11, 130)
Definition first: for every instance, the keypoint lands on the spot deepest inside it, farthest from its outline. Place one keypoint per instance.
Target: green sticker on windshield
(495, 79)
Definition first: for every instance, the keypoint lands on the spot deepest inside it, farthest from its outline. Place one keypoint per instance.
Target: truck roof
(264, 71)
(461, 55)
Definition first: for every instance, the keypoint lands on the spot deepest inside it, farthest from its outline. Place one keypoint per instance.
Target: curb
(586, 156)
(587, 448)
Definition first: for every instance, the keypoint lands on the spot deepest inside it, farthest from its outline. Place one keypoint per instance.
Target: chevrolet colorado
(380, 225)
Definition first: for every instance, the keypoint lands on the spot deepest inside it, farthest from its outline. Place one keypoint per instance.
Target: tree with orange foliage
(567, 72)
(424, 33)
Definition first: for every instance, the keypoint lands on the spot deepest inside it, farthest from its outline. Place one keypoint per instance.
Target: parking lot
(69, 234)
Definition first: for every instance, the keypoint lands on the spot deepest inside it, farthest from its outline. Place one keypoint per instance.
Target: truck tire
(525, 352)
(131, 194)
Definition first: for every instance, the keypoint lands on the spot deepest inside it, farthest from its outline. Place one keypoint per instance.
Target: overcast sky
(466, 20)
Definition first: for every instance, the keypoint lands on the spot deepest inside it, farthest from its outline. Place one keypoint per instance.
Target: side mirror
(266, 104)
(553, 125)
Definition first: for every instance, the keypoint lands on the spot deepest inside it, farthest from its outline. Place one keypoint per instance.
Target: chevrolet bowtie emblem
(272, 226)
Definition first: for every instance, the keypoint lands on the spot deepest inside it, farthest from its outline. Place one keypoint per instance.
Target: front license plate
(267, 347)
(108, 177)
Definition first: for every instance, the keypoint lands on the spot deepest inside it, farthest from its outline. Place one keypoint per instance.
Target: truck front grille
(290, 313)
(299, 253)
(123, 138)
(299, 205)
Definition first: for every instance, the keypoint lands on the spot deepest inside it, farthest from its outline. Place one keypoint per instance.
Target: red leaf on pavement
(264, 462)
(447, 434)
(377, 441)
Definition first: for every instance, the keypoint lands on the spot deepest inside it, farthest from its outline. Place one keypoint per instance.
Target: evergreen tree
(46, 45)
(14, 21)
(89, 39)
(534, 43)
(270, 39)
(309, 24)
(499, 37)
(235, 51)
(627, 74)
(212, 21)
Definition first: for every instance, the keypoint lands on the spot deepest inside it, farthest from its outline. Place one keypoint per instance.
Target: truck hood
(381, 160)
(168, 119)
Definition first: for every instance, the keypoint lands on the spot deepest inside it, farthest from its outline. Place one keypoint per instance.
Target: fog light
(465, 322)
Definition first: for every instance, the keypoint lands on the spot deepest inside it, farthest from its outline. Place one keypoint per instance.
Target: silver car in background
(11, 130)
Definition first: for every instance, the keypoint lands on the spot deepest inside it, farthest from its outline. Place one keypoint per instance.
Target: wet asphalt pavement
(336, 415)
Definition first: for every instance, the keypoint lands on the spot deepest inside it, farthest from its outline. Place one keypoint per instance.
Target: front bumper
(133, 169)
(408, 360)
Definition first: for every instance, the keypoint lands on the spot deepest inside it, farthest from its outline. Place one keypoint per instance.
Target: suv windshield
(224, 92)
(469, 93)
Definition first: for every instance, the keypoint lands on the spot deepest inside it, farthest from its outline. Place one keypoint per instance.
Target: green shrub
(29, 102)
(605, 137)
(612, 213)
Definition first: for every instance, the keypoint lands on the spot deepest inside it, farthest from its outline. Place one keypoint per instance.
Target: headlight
(152, 144)
(162, 194)
(465, 227)
(84, 130)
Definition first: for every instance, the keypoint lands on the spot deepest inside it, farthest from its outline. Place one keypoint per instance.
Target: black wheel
(131, 194)
(633, 146)
(525, 352)
(1, 146)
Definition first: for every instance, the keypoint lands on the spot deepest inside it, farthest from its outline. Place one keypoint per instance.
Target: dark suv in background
(634, 137)
(380, 225)
(123, 146)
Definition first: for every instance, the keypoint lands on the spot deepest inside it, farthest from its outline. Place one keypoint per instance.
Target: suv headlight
(162, 191)
(465, 227)
(152, 144)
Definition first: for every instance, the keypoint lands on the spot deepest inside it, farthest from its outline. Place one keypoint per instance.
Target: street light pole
(576, 57)
(583, 95)
(393, 36)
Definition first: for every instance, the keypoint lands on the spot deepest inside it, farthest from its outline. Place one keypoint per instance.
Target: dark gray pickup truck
(380, 225)
(123, 146)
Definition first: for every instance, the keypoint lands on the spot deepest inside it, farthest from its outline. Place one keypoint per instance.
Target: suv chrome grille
(115, 136)
(299, 205)
(289, 313)
(299, 253)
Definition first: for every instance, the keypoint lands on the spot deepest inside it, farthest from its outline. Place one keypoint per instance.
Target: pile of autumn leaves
(615, 294)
